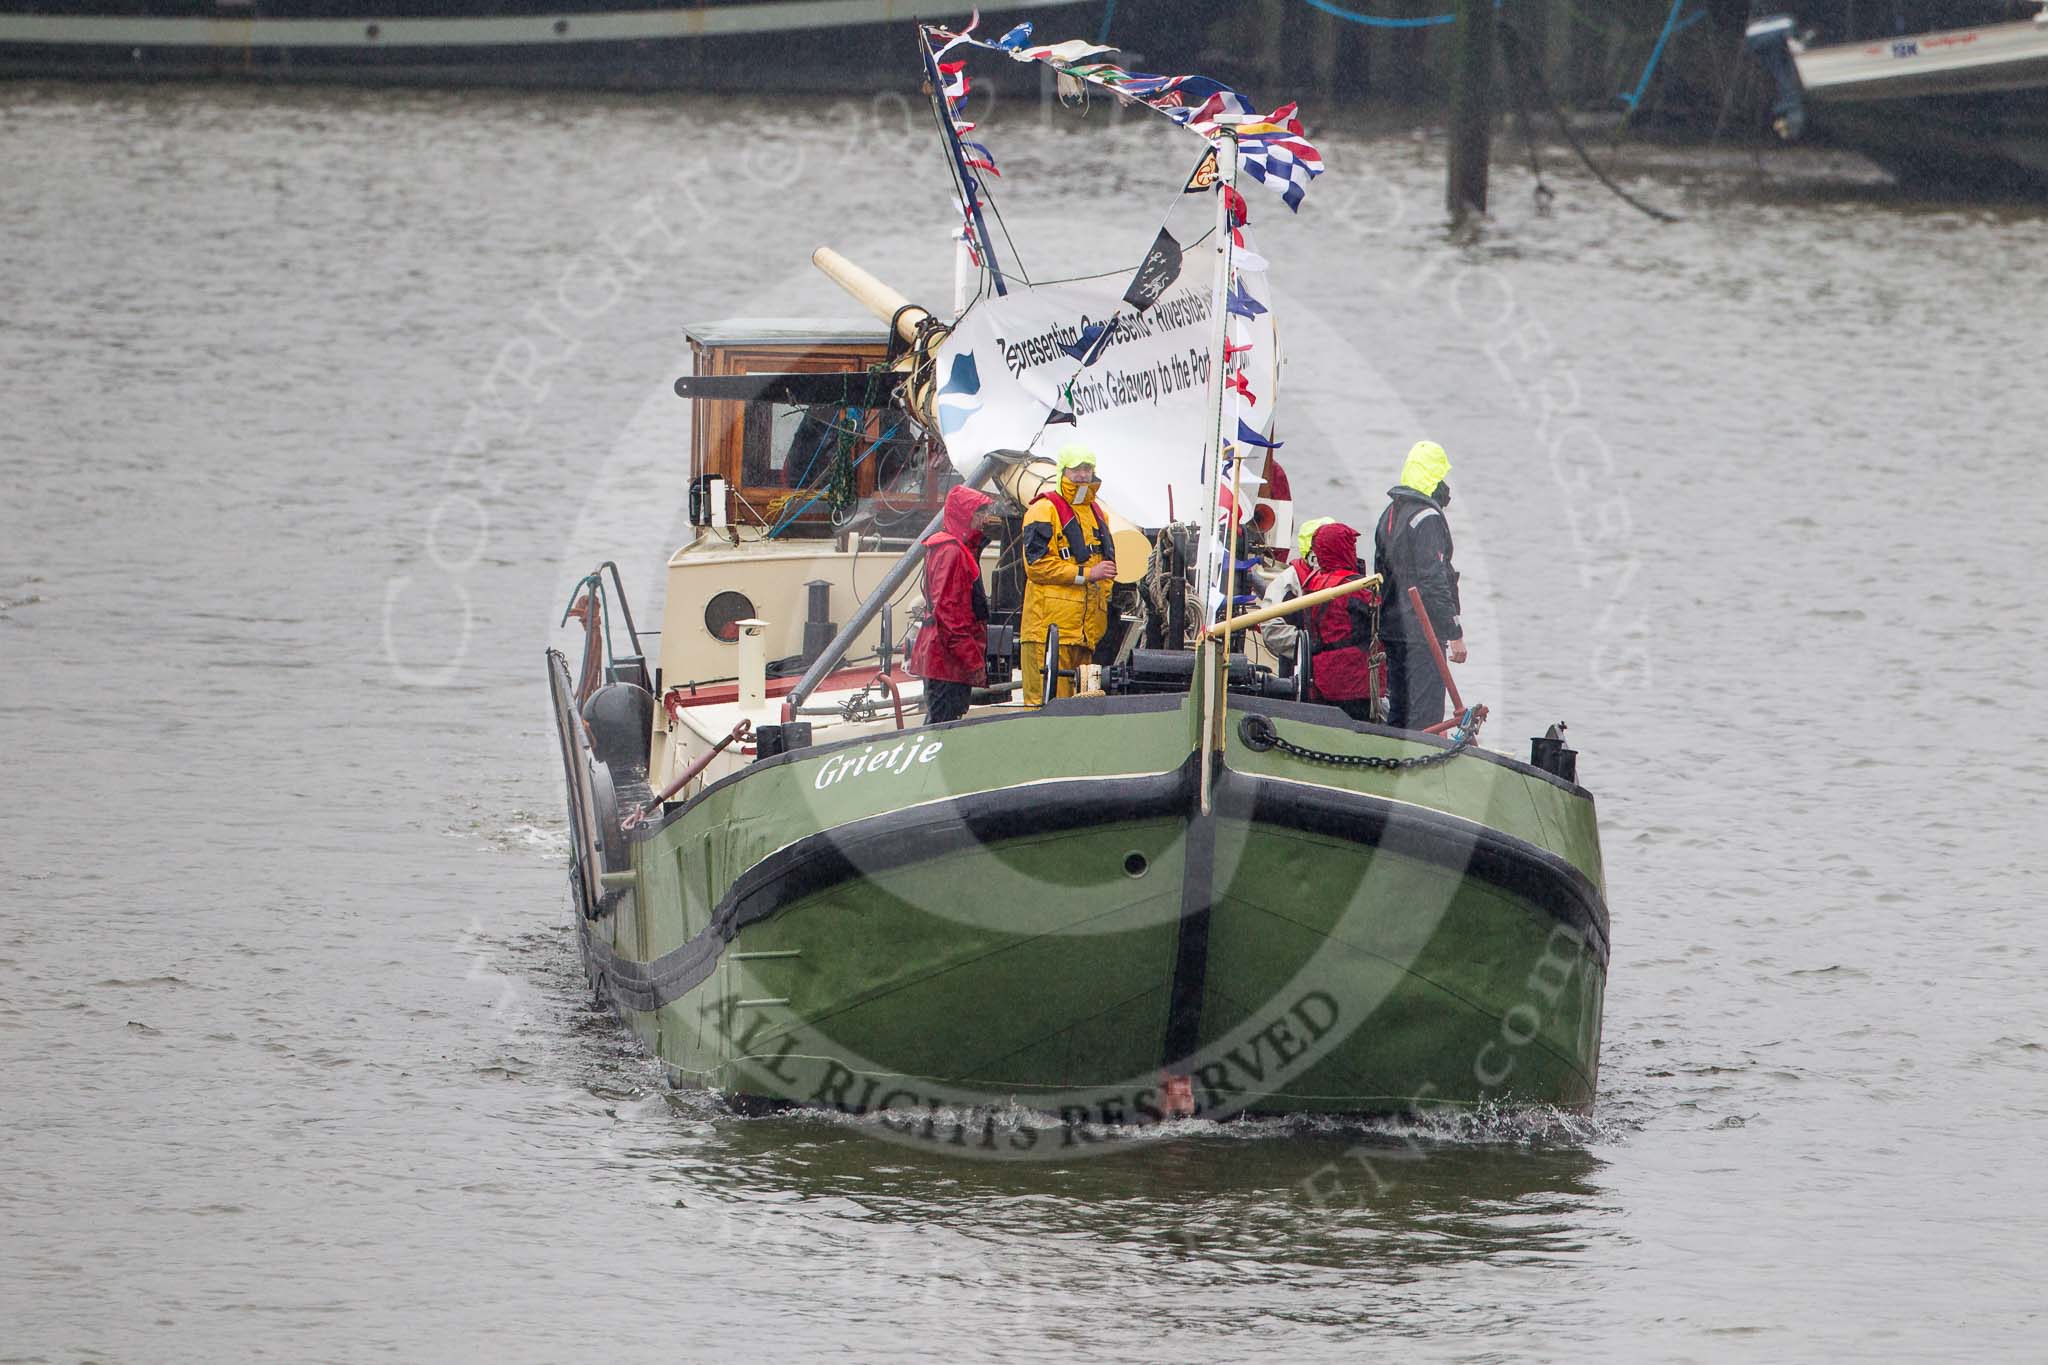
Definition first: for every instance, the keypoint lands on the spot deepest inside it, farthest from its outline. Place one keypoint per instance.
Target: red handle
(1443, 665)
(703, 761)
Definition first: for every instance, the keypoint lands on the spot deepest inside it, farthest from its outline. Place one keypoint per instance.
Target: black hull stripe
(647, 986)
(1517, 866)
(900, 838)
(821, 861)
(1191, 945)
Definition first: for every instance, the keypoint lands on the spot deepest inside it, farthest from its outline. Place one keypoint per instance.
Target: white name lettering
(895, 760)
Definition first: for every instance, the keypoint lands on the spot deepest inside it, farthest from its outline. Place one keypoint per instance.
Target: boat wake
(515, 831)
(1488, 1125)
(1020, 1132)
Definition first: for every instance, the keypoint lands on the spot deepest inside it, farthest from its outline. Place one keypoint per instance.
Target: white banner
(1144, 403)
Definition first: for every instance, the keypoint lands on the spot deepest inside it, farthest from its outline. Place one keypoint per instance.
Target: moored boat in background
(1931, 98)
(618, 44)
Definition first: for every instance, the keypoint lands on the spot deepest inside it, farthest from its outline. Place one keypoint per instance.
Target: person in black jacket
(1411, 548)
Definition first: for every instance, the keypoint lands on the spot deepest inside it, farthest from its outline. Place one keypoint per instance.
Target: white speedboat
(1954, 102)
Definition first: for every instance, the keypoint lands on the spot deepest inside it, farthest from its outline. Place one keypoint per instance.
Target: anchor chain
(1259, 733)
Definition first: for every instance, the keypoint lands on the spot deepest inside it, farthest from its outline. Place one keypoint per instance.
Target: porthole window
(723, 614)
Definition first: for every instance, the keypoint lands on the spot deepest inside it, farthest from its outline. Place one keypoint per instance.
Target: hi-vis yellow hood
(1427, 467)
(1308, 532)
(1079, 495)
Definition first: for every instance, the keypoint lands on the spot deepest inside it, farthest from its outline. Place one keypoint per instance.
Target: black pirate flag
(1157, 274)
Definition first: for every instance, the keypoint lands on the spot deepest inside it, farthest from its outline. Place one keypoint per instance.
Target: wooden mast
(1212, 663)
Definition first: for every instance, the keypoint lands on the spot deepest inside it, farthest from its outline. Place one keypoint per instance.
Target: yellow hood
(1069, 456)
(1427, 467)
(1308, 533)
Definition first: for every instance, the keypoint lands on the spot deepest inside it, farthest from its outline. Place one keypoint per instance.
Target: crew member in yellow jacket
(1069, 572)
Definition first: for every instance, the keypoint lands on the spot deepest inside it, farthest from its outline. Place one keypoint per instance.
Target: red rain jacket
(1344, 665)
(952, 644)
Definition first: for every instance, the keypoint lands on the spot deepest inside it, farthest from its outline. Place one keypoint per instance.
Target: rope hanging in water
(1514, 40)
(1520, 53)
(1544, 194)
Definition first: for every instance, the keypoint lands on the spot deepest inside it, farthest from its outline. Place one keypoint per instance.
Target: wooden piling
(1471, 148)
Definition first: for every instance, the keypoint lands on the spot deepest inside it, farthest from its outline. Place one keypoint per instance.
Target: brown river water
(318, 403)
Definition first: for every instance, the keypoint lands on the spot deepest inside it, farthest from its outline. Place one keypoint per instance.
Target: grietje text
(897, 759)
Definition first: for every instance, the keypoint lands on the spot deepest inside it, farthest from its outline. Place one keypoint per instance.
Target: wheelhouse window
(788, 461)
(793, 445)
(899, 460)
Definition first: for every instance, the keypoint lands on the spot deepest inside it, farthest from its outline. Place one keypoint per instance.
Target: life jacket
(1349, 662)
(1057, 546)
(1070, 527)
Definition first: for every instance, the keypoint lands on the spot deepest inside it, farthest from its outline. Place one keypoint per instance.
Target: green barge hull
(1035, 908)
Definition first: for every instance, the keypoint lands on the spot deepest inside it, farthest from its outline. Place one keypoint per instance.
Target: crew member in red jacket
(951, 653)
(1348, 667)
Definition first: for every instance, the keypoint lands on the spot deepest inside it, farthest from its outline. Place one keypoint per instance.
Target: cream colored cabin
(800, 509)
(775, 532)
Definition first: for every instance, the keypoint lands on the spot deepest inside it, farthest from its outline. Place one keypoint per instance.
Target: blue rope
(789, 516)
(1672, 28)
(1375, 21)
(1108, 17)
(831, 432)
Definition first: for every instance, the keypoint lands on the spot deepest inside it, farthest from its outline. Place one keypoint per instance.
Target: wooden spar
(1230, 562)
(899, 312)
(1209, 576)
(1022, 481)
(1213, 661)
(888, 304)
(1292, 605)
(870, 293)
(1471, 111)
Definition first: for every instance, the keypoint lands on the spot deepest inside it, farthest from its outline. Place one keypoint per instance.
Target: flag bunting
(1242, 303)
(1273, 148)
(1250, 437)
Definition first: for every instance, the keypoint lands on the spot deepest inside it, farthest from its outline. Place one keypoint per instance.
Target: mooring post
(1471, 110)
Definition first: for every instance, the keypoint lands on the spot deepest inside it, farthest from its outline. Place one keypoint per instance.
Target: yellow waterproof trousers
(1071, 657)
